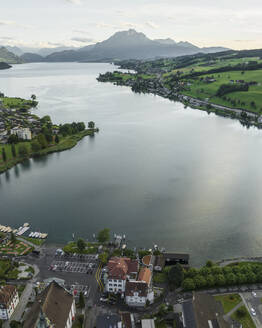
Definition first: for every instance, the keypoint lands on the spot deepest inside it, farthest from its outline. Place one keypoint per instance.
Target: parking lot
(76, 267)
(75, 289)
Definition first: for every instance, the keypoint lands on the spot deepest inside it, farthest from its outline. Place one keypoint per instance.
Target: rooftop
(139, 287)
(55, 303)
(145, 275)
(120, 267)
(6, 294)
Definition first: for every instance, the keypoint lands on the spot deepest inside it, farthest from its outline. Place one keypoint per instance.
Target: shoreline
(244, 116)
(69, 143)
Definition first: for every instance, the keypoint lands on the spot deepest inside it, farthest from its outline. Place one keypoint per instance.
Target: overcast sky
(232, 23)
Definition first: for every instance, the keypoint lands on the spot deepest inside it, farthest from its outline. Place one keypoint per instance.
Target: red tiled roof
(136, 287)
(6, 294)
(120, 267)
(145, 275)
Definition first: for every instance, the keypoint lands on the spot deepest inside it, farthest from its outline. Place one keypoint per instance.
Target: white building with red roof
(120, 269)
(8, 301)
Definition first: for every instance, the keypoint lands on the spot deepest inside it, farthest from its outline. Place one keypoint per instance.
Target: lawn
(243, 99)
(8, 270)
(35, 241)
(246, 320)
(160, 277)
(228, 301)
(72, 248)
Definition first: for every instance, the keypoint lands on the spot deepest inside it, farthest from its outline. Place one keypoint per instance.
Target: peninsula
(24, 135)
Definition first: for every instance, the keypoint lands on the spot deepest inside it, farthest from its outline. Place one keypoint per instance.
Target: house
(173, 258)
(119, 270)
(54, 306)
(108, 321)
(9, 299)
(22, 133)
(128, 320)
(136, 293)
(145, 275)
(148, 323)
(203, 312)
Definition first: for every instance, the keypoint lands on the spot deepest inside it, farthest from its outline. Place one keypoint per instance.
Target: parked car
(254, 294)
(253, 311)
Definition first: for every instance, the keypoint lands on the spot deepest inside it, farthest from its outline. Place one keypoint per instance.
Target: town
(103, 283)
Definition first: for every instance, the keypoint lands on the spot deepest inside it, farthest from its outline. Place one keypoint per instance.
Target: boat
(26, 224)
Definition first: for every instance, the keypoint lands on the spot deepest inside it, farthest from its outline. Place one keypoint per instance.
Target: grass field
(12, 102)
(65, 143)
(202, 90)
(246, 320)
(228, 301)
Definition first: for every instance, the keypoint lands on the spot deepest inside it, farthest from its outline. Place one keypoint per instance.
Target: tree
(22, 150)
(81, 319)
(4, 155)
(176, 275)
(209, 264)
(33, 97)
(13, 238)
(57, 139)
(81, 301)
(188, 284)
(91, 125)
(81, 244)
(42, 140)
(35, 146)
(200, 281)
(13, 150)
(241, 312)
(103, 235)
(49, 137)
(103, 257)
(15, 324)
(13, 138)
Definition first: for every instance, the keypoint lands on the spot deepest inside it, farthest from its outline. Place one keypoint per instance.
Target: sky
(236, 24)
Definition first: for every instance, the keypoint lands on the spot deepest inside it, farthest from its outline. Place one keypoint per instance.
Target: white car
(254, 294)
(253, 311)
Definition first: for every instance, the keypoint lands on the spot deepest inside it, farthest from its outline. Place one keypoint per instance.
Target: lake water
(185, 180)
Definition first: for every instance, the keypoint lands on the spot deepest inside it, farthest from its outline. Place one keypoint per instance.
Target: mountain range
(120, 46)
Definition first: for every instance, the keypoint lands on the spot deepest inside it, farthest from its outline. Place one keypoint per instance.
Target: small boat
(26, 224)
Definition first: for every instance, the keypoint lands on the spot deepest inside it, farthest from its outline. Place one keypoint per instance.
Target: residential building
(22, 133)
(9, 299)
(128, 320)
(136, 293)
(145, 275)
(203, 312)
(55, 306)
(119, 270)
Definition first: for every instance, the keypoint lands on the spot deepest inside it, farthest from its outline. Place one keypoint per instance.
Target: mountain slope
(128, 45)
(8, 57)
(29, 57)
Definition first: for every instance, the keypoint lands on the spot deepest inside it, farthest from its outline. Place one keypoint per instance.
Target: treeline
(214, 276)
(228, 88)
(68, 129)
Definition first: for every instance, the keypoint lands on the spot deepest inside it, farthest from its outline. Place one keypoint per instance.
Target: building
(22, 133)
(54, 307)
(128, 320)
(136, 293)
(9, 299)
(173, 258)
(203, 312)
(119, 270)
(159, 262)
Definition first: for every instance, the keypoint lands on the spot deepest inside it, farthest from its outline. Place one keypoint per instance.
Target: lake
(160, 173)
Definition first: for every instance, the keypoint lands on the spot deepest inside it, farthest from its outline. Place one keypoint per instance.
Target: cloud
(5, 22)
(83, 40)
(6, 38)
(151, 25)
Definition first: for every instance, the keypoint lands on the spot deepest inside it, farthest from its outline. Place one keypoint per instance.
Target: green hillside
(8, 57)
